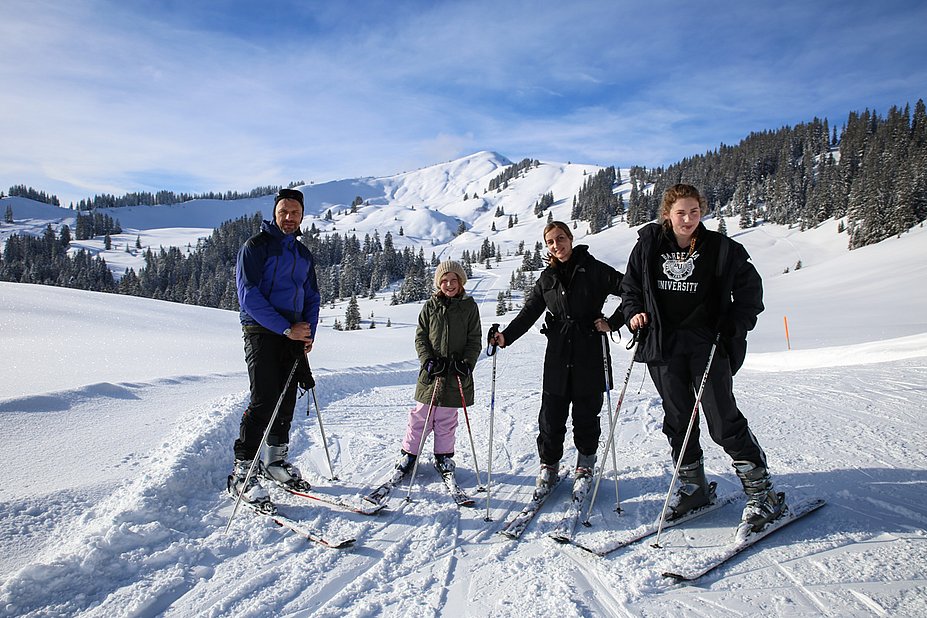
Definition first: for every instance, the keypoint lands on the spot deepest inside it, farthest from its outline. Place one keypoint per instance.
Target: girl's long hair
(676, 192)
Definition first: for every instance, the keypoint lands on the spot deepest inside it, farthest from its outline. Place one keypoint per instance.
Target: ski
(564, 531)
(516, 526)
(645, 530)
(297, 527)
(379, 495)
(336, 501)
(744, 539)
(461, 498)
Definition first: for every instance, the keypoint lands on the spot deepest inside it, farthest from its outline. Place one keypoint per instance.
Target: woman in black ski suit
(573, 289)
(687, 285)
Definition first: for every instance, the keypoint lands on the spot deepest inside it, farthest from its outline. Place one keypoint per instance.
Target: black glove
(436, 367)
(303, 375)
(461, 367)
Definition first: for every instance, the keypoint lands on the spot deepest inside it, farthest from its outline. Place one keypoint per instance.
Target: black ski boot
(445, 463)
(405, 463)
(693, 492)
(764, 504)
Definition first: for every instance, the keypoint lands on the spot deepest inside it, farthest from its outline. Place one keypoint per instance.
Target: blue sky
(102, 96)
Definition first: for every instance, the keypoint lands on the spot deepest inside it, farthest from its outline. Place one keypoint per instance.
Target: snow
(117, 417)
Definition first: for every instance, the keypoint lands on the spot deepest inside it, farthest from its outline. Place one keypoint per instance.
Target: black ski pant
(552, 424)
(269, 364)
(677, 381)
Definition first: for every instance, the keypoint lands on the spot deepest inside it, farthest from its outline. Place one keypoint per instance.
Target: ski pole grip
(491, 337)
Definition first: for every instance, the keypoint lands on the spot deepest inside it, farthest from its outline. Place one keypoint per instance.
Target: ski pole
(257, 455)
(479, 484)
(685, 442)
(612, 422)
(318, 412)
(608, 396)
(421, 444)
(491, 351)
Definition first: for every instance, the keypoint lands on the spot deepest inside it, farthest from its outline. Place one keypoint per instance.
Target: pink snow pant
(443, 422)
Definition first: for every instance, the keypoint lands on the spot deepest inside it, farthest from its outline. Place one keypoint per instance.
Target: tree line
(874, 173)
(164, 198)
(205, 275)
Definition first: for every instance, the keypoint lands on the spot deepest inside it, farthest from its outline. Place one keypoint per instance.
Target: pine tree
(352, 316)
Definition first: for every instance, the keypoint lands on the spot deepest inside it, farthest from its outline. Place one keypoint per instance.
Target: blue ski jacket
(275, 276)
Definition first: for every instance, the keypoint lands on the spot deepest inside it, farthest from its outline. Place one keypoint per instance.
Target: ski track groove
(800, 587)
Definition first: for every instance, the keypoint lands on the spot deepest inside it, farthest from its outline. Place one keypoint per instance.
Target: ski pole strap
(635, 335)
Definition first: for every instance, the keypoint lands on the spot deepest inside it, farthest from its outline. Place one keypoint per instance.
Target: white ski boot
(547, 478)
(585, 465)
(276, 468)
(254, 493)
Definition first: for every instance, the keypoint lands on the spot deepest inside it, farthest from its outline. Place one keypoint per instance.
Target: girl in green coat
(448, 342)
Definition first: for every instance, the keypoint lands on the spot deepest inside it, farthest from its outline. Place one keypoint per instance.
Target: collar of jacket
(271, 228)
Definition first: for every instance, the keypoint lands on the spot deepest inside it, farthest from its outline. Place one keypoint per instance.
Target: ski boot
(547, 478)
(276, 468)
(445, 463)
(693, 492)
(764, 504)
(585, 466)
(405, 463)
(253, 492)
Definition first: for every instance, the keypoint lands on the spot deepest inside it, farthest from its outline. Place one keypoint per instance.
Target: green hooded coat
(447, 327)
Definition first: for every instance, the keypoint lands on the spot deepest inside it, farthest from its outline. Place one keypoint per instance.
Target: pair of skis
(743, 538)
(379, 495)
(299, 527)
(563, 532)
(269, 509)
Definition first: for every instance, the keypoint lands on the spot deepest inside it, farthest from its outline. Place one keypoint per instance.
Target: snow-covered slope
(117, 416)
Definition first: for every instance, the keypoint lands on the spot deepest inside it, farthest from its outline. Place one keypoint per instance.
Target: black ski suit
(573, 295)
(688, 299)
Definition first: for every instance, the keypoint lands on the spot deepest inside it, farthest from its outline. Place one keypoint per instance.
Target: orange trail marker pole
(785, 320)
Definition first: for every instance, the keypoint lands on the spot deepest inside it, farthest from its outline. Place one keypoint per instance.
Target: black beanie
(289, 194)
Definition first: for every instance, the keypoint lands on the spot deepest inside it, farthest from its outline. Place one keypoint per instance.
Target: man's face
(288, 215)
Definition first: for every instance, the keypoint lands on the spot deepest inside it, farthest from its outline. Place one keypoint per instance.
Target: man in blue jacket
(279, 299)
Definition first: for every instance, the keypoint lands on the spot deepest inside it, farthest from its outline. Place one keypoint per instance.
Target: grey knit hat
(450, 266)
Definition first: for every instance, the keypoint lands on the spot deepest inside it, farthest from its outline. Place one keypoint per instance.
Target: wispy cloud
(112, 97)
